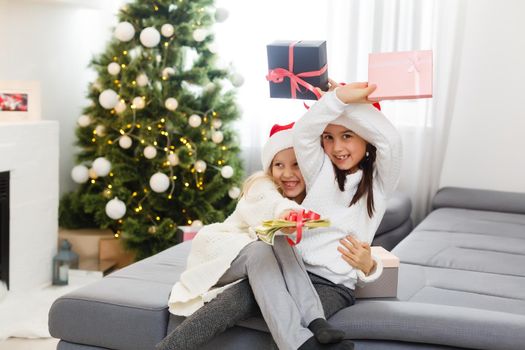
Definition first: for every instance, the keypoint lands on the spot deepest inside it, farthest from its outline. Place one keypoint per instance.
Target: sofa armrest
(476, 199)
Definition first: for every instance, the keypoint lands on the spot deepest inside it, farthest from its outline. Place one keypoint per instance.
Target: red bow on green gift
(300, 217)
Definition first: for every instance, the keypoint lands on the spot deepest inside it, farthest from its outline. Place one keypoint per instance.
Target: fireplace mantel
(29, 151)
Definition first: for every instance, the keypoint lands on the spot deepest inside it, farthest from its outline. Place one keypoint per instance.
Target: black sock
(324, 332)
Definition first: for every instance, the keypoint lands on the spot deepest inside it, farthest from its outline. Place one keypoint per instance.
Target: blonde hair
(248, 183)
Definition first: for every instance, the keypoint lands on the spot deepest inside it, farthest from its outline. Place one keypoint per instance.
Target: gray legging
(238, 303)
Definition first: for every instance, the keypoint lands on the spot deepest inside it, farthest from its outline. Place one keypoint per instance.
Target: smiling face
(345, 148)
(287, 175)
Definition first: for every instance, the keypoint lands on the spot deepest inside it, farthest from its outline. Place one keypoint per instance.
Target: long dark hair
(365, 187)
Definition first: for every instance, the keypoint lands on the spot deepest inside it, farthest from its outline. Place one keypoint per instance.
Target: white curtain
(352, 28)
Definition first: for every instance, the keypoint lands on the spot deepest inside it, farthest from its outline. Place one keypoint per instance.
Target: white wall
(486, 146)
(53, 41)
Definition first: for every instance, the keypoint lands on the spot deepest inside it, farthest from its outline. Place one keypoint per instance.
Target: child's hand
(355, 92)
(332, 84)
(283, 216)
(357, 254)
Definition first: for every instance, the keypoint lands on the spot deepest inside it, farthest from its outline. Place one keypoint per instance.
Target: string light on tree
(150, 152)
(108, 99)
(92, 174)
(124, 31)
(84, 120)
(159, 182)
(150, 37)
(101, 166)
(80, 174)
(115, 208)
(227, 172)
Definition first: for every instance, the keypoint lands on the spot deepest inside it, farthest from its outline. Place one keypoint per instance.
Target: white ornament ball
(125, 141)
(200, 166)
(124, 31)
(142, 80)
(199, 34)
(166, 72)
(213, 47)
(221, 14)
(217, 136)
(150, 152)
(150, 37)
(100, 130)
(209, 87)
(113, 68)
(195, 120)
(234, 192)
(115, 208)
(120, 106)
(227, 172)
(101, 166)
(237, 80)
(196, 224)
(216, 123)
(80, 174)
(167, 30)
(84, 120)
(171, 103)
(159, 182)
(108, 99)
(173, 159)
(139, 102)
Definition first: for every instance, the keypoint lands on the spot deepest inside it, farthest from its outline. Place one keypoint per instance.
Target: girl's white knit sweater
(319, 246)
(217, 245)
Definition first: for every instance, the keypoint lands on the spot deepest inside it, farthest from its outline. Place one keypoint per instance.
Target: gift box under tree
(295, 68)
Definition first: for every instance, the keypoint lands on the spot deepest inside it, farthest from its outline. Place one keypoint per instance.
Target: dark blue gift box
(308, 56)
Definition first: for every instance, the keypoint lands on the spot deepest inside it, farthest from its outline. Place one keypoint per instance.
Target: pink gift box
(188, 232)
(400, 75)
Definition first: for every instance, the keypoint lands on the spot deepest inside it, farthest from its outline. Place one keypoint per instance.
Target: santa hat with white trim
(280, 139)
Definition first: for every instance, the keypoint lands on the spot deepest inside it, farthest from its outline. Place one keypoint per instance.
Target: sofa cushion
(399, 208)
(125, 310)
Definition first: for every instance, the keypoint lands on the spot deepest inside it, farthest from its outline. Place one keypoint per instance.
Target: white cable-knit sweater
(319, 246)
(217, 245)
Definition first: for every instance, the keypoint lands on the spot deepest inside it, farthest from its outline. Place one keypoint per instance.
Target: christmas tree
(157, 146)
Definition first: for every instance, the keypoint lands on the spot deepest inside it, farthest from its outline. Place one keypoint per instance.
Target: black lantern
(64, 260)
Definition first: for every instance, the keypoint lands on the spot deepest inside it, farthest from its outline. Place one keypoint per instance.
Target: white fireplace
(29, 152)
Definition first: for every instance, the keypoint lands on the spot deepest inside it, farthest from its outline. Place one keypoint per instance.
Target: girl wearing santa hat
(224, 254)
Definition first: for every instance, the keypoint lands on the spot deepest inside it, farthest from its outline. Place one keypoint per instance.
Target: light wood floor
(29, 344)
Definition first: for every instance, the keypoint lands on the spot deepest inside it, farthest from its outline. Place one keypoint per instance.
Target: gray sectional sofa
(461, 286)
